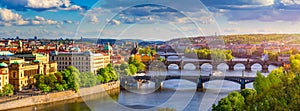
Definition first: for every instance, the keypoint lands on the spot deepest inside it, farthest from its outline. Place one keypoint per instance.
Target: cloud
(39, 5)
(93, 19)
(68, 21)
(8, 15)
(9, 18)
(259, 10)
(264, 15)
(151, 14)
(113, 22)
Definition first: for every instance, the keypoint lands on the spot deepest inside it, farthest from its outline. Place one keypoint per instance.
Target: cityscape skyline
(146, 20)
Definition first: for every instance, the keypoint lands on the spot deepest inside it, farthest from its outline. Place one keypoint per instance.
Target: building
(22, 70)
(84, 61)
(284, 57)
(3, 75)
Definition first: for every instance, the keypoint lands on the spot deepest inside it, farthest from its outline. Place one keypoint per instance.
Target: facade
(84, 61)
(22, 70)
(4, 80)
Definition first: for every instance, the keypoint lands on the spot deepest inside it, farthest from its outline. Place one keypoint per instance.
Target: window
(14, 74)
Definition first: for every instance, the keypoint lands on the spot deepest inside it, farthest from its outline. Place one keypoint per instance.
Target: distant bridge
(199, 80)
(181, 62)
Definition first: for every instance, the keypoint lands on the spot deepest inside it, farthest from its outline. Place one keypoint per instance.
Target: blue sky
(146, 19)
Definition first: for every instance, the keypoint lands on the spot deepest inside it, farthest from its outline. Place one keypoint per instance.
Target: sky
(146, 19)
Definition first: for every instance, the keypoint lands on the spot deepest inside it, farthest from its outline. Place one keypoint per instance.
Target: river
(177, 94)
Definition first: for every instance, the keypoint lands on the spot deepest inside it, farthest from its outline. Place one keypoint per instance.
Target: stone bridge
(198, 63)
(199, 80)
(181, 62)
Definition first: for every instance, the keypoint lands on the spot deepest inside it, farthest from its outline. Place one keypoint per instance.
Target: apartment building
(84, 61)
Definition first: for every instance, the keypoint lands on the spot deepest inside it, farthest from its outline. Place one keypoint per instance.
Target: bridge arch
(173, 66)
(206, 66)
(239, 66)
(222, 66)
(190, 66)
(256, 66)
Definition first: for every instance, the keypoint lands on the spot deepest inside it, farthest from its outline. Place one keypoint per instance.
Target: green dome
(36, 60)
(107, 47)
(3, 65)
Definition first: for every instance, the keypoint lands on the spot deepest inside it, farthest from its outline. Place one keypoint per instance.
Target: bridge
(181, 62)
(199, 80)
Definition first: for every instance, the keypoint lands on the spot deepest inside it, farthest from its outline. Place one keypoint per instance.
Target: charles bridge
(181, 62)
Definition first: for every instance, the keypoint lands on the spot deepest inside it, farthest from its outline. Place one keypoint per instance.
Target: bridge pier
(197, 67)
(248, 67)
(200, 85)
(265, 68)
(122, 83)
(231, 67)
(243, 84)
(158, 84)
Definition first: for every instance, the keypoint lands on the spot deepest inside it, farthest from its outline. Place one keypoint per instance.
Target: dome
(2, 65)
(36, 61)
(107, 47)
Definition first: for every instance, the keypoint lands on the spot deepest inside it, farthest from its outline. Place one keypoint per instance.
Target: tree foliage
(233, 102)
(278, 91)
(107, 74)
(205, 53)
(8, 89)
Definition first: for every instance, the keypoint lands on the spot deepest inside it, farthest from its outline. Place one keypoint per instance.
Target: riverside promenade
(58, 96)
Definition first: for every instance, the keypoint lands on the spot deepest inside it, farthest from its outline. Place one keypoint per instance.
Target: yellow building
(3, 75)
(22, 70)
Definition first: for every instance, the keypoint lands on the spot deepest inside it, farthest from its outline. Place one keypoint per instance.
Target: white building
(84, 61)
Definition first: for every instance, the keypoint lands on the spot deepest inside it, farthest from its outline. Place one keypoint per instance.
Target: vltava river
(177, 94)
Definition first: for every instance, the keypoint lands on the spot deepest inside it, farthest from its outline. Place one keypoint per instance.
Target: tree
(132, 68)
(8, 89)
(88, 79)
(123, 66)
(51, 80)
(44, 88)
(59, 87)
(71, 76)
(234, 101)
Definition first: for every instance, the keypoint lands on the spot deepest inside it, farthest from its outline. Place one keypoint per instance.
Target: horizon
(114, 38)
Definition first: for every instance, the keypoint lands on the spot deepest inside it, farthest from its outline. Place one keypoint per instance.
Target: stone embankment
(58, 96)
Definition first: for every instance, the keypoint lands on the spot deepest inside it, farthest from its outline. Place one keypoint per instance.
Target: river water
(176, 94)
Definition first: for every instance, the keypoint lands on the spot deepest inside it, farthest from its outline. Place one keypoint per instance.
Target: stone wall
(58, 96)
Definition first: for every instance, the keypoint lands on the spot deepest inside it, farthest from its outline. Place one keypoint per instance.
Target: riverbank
(58, 96)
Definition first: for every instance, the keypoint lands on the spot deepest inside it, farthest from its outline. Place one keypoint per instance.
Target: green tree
(132, 68)
(8, 89)
(59, 87)
(233, 102)
(44, 88)
(71, 76)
